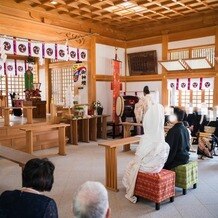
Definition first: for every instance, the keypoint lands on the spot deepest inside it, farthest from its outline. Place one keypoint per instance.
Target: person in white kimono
(152, 151)
(143, 104)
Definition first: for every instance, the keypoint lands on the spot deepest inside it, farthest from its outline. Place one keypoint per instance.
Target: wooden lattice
(122, 13)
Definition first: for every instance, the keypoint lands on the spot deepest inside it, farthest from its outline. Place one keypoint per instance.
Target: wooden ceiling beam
(29, 14)
(92, 15)
(177, 25)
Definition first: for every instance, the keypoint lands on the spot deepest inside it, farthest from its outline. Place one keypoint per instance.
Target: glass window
(16, 84)
(208, 97)
(185, 98)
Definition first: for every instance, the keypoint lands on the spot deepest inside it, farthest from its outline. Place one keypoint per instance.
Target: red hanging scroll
(116, 87)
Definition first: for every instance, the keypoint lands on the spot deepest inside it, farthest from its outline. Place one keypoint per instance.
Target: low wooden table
(86, 129)
(61, 136)
(111, 159)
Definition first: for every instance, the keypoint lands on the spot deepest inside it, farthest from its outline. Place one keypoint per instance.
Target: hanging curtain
(207, 83)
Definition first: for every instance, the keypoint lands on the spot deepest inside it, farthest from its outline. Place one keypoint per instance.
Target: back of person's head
(186, 124)
(146, 90)
(91, 201)
(179, 113)
(38, 174)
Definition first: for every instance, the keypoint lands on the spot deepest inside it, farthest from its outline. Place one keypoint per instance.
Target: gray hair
(91, 201)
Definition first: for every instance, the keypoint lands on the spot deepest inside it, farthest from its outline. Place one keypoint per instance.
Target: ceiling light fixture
(172, 65)
(53, 2)
(186, 64)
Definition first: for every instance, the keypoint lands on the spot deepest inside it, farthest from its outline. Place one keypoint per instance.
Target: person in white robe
(152, 151)
(142, 105)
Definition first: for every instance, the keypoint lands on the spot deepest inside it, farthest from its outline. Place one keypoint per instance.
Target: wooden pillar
(37, 69)
(164, 72)
(111, 168)
(29, 141)
(47, 85)
(215, 95)
(62, 142)
(6, 116)
(126, 64)
(92, 72)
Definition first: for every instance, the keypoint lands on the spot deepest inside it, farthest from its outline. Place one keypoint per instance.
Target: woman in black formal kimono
(28, 202)
(178, 140)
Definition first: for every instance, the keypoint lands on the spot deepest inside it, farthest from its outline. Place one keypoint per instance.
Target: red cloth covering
(155, 186)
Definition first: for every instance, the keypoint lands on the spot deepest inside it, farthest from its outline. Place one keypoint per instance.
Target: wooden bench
(61, 135)
(111, 159)
(15, 156)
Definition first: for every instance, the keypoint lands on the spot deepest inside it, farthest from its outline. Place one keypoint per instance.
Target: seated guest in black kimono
(178, 140)
(28, 202)
(215, 134)
(196, 121)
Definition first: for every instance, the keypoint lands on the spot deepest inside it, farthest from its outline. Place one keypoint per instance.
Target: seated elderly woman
(152, 151)
(91, 201)
(28, 202)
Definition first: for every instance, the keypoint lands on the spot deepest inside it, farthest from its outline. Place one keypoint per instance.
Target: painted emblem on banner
(80, 71)
(171, 85)
(10, 68)
(22, 48)
(183, 85)
(72, 54)
(36, 49)
(207, 84)
(61, 53)
(83, 55)
(7, 46)
(195, 85)
(20, 68)
(49, 51)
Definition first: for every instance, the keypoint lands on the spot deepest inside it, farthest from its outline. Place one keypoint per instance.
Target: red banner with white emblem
(116, 86)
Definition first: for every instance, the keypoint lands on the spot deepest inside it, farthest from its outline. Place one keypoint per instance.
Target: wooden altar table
(6, 112)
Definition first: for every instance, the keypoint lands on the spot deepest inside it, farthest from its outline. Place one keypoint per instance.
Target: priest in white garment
(152, 151)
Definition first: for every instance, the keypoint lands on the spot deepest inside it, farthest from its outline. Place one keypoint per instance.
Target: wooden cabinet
(39, 111)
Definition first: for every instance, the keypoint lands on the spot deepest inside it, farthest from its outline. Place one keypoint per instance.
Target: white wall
(157, 47)
(104, 55)
(192, 42)
(42, 81)
(105, 95)
(132, 87)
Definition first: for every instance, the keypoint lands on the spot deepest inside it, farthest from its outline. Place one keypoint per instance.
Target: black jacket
(26, 205)
(178, 140)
